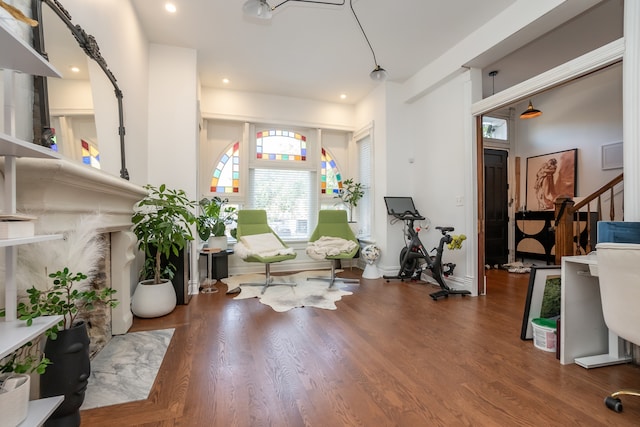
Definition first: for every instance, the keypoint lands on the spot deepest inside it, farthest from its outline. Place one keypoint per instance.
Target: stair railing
(568, 225)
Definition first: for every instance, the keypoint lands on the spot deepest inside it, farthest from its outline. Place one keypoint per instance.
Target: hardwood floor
(388, 356)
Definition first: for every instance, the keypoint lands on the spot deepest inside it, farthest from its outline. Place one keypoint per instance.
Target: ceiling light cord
(262, 10)
(308, 1)
(377, 68)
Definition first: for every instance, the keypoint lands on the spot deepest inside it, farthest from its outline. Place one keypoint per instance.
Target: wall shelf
(19, 56)
(16, 333)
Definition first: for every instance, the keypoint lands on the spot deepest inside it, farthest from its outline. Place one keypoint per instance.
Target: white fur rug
(306, 293)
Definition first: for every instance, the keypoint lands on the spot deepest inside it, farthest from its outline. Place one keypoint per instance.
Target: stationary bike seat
(445, 229)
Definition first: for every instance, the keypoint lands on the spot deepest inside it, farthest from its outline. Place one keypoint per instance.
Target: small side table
(217, 267)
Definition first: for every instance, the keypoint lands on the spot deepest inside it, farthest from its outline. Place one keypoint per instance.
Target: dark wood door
(496, 207)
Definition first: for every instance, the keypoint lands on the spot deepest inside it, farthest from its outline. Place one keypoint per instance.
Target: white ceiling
(310, 50)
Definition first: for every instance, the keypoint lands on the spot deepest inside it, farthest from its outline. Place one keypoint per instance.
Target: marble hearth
(59, 192)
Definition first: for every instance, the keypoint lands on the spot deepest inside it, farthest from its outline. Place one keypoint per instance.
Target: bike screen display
(399, 205)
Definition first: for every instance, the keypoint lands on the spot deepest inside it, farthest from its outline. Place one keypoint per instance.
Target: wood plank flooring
(388, 356)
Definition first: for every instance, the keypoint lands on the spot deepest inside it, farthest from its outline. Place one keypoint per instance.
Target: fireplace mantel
(59, 192)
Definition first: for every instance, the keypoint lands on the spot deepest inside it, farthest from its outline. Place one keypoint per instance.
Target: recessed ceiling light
(170, 7)
(75, 69)
(343, 96)
(225, 81)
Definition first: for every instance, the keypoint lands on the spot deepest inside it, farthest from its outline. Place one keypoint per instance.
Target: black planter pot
(67, 375)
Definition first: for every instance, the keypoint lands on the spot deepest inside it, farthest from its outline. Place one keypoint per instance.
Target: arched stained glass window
(90, 154)
(281, 145)
(331, 181)
(226, 176)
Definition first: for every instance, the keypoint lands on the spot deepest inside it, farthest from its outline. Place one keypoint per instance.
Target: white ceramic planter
(14, 404)
(217, 242)
(153, 300)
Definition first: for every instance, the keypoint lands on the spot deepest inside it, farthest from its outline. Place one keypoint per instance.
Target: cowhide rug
(307, 293)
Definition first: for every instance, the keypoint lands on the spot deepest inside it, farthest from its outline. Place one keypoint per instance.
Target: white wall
(584, 114)
(256, 107)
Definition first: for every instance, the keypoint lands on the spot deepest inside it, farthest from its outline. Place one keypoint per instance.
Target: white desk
(584, 336)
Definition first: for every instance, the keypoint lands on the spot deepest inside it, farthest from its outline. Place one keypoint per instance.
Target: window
(331, 180)
(495, 128)
(226, 176)
(282, 182)
(365, 209)
(286, 172)
(281, 145)
(90, 154)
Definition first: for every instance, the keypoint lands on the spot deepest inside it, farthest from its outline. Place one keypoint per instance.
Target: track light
(531, 112)
(261, 9)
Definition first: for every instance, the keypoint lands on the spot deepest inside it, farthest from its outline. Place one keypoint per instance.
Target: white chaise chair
(619, 276)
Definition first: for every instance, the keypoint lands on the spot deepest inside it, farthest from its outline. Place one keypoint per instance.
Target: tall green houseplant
(162, 223)
(350, 194)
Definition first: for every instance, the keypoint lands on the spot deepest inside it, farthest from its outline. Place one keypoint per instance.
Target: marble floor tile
(126, 368)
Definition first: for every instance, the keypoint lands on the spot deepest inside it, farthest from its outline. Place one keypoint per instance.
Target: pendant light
(531, 112)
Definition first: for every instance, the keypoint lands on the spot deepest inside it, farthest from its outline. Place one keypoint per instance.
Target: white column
(122, 247)
(631, 110)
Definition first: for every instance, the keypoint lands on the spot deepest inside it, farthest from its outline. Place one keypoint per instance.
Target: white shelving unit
(18, 56)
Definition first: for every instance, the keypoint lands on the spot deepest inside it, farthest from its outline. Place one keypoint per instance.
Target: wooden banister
(567, 223)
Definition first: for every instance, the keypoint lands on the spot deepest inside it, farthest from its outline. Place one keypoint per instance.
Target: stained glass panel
(330, 181)
(226, 175)
(281, 145)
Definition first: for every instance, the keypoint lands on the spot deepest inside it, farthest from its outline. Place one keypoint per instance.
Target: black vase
(67, 375)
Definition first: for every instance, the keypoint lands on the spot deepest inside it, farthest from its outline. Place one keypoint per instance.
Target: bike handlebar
(408, 215)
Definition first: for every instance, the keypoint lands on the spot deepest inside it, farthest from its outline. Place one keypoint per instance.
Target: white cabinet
(17, 56)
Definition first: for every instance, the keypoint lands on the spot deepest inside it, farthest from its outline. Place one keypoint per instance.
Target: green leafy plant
(214, 217)
(64, 298)
(25, 360)
(350, 194)
(161, 222)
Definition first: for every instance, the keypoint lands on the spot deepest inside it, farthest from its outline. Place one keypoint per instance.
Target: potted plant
(162, 223)
(66, 367)
(350, 194)
(213, 220)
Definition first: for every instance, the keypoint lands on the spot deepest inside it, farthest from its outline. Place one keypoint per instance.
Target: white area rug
(126, 368)
(307, 293)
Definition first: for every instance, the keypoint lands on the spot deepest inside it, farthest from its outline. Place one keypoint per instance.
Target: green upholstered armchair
(333, 223)
(254, 223)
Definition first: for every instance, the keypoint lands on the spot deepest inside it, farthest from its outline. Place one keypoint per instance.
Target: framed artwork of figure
(549, 176)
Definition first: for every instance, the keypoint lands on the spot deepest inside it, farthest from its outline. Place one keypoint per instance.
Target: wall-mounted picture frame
(549, 176)
(612, 157)
(543, 297)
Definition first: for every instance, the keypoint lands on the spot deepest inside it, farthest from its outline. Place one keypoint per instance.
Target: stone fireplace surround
(59, 192)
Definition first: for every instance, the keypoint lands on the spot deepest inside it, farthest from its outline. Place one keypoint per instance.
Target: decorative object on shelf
(530, 112)
(550, 176)
(370, 254)
(16, 226)
(350, 194)
(162, 223)
(14, 398)
(67, 349)
(213, 220)
(18, 15)
(262, 10)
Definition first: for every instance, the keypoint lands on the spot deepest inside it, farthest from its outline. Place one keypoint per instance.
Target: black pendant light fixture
(262, 10)
(531, 112)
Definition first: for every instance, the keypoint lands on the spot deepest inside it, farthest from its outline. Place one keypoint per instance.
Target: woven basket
(14, 403)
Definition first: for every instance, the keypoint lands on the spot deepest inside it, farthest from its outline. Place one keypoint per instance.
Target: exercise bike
(414, 258)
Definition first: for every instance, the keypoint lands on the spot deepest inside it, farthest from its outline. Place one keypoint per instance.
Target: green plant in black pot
(214, 217)
(162, 223)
